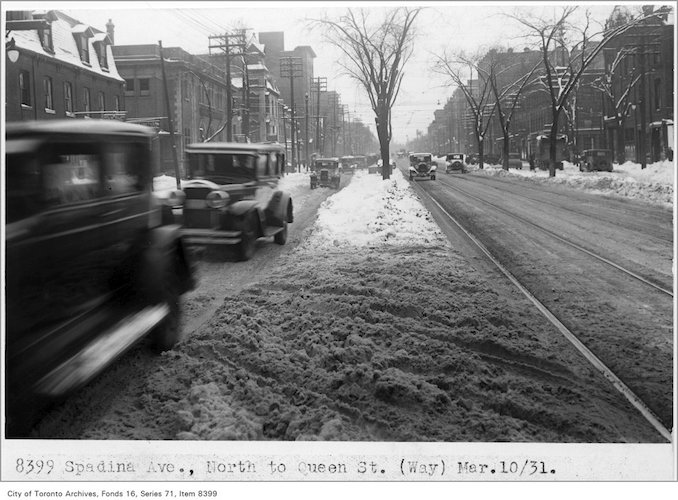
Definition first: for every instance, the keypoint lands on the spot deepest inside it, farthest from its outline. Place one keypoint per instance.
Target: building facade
(63, 69)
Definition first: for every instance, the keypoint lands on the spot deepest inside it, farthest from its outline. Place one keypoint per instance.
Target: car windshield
(225, 168)
(454, 157)
(423, 157)
(326, 164)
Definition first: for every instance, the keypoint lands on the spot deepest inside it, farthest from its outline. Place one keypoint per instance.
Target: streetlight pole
(306, 132)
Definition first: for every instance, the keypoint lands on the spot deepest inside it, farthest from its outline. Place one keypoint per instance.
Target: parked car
(514, 161)
(348, 164)
(90, 267)
(326, 172)
(230, 195)
(455, 163)
(595, 159)
(422, 165)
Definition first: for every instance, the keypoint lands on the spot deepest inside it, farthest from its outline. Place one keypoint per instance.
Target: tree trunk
(505, 151)
(382, 133)
(620, 152)
(481, 152)
(553, 143)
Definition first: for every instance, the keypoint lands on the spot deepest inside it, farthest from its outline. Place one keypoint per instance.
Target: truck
(542, 149)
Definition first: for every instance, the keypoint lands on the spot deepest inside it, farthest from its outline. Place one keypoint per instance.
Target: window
(144, 86)
(25, 87)
(46, 39)
(68, 98)
(83, 47)
(129, 86)
(102, 56)
(102, 102)
(49, 97)
(117, 102)
(71, 176)
(87, 103)
(657, 94)
(124, 168)
(187, 137)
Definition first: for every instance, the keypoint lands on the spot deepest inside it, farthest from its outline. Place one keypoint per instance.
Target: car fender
(165, 248)
(280, 208)
(237, 211)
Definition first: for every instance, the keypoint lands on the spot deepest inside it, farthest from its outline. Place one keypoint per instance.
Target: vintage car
(595, 159)
(514, 161)
(422, 165)
(326, 172)
(348, 164)
(455, 162)
(90, 267)
(230, 196)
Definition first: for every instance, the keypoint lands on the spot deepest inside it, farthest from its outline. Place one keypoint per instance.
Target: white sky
(456, 25)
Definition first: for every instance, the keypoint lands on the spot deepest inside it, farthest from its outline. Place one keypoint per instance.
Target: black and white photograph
(337, 241)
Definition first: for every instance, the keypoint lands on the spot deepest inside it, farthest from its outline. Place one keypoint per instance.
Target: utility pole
(229, 48)
(306, 158)
(170, 124)
(318, 85)
(290, 67)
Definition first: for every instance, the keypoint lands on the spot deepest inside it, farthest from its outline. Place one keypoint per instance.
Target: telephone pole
(318, 85)
(290, 67)
(170, 125)
(231, 44)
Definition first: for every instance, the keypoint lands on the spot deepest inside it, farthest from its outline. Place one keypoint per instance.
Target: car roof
(421, 154)
(234, 147)
(76, 126)
(598, 149)
(327, 159)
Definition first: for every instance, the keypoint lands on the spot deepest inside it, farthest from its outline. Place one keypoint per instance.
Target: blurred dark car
(595, 160)
(90, 268)
(455, 162)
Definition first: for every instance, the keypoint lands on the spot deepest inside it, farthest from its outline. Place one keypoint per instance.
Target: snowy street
(373, 323)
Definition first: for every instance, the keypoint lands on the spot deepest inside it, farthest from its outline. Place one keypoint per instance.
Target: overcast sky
(454, 25)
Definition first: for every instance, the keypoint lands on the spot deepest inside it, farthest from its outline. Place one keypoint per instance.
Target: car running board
(87, 363)
(272, 230)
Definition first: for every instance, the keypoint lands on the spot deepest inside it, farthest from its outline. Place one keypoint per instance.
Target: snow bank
(371, 212)
(654, 184)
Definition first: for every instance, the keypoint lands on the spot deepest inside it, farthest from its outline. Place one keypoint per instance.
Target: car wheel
(411, 177)
(281, 237)
(168, 332)
(248, 238)
(433, 177)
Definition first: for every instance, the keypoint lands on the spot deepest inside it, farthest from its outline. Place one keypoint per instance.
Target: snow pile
(653, 184)
(371, 212)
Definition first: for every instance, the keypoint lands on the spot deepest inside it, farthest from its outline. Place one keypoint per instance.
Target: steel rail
(567, 242)
(647, 413)
(492, 184)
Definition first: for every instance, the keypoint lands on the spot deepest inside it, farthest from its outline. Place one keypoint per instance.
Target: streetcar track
(562, 207)
(597, 363)
(566, 241)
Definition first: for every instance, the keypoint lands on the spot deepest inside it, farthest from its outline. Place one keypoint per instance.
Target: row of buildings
(246, 88)
(624, 102)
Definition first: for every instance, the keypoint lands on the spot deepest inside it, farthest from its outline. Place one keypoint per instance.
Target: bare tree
(558, 36)
(507, 96)
(459, 69)
(617, 87)
(376, 54)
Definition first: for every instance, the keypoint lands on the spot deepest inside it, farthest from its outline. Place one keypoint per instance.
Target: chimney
(110, 29)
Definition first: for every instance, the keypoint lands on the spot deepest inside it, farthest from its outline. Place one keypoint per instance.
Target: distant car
(326, 173)
(231, 195)
(455, 163)
(375, 168)
(514, 161)
(91, 268)
(595, 159)
(422, 165)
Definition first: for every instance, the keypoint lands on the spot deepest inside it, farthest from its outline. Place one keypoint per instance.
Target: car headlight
(434, 167)
(217, 199)
(176, 198)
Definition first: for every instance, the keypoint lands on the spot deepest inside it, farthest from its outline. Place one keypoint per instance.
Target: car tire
(248, 238)
(167, 333)
(433, 177)
(411, 177)
(281, 237)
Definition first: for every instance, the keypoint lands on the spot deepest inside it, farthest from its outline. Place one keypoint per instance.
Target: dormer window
(100, 42)
(46, 39)
(82, 34)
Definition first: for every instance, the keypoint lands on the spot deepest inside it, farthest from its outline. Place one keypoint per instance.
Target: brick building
(64, 69)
